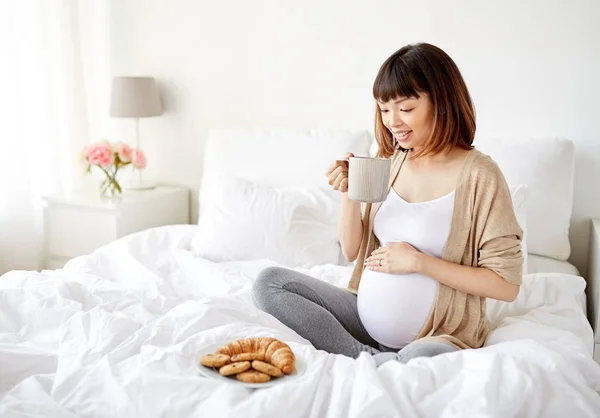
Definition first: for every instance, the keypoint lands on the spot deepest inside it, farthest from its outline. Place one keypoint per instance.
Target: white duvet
(115, 333)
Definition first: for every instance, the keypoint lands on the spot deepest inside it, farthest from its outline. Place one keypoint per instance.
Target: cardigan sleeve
(500, 244)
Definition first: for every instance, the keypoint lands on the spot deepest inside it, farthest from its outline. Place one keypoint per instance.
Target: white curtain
(44, 118)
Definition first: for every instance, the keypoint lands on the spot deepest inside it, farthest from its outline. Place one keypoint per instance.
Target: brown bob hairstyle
(423, 68)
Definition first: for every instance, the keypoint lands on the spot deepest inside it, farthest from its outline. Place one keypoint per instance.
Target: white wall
(532, 68)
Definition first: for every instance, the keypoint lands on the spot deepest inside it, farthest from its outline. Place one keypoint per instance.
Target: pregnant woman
(445, 239)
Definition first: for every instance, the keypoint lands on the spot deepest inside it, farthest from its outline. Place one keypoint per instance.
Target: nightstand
(78, 224)
(593, 286)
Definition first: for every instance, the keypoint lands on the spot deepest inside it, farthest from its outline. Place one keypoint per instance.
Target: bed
(117, 332)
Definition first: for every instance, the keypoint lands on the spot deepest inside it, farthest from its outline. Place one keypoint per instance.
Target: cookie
(253, 376)
(267, 368)
(214, 360)
(234, 368)
(248, 357)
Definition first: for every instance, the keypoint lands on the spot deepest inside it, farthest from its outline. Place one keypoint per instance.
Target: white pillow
(519, 195)
(279, 157)
(293, 226)
(546, 166)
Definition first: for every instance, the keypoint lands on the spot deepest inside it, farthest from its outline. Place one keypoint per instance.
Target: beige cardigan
(484, 233)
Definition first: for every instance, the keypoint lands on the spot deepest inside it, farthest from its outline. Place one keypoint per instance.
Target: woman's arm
(477, 281)
(350, 228)
(402, 258)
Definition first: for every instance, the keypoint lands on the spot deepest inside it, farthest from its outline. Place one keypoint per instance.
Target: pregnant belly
(393, 308)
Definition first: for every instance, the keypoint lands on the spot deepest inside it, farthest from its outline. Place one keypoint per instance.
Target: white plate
(211, 373)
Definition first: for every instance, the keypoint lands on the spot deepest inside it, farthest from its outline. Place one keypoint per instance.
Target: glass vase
(110, 189)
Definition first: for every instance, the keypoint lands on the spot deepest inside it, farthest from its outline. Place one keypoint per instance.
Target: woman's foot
(414, 350)
(384, 357)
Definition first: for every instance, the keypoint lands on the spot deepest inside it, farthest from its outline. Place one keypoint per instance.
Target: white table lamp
(135, 97)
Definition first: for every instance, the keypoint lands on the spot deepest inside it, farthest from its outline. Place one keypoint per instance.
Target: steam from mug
(368, 179)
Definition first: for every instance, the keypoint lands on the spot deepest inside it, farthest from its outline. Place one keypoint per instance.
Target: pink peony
(138, 159)
(100, 154)
(124, 152)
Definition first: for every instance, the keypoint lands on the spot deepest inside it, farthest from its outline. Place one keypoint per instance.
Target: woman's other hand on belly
(394, 258)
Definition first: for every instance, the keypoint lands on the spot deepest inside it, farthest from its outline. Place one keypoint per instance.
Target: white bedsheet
(114, 334)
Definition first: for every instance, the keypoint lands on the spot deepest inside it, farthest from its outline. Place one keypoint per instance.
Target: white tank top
(394, 307)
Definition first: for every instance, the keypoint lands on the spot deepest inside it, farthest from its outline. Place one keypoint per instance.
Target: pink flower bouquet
(110, 158)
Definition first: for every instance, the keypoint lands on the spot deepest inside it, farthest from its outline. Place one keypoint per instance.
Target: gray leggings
(327, 316)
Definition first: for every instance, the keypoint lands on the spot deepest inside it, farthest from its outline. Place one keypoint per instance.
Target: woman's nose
(395, 120)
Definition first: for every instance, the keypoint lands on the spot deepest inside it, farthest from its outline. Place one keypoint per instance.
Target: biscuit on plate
(253, 376)
(234, 368)
(214, 360)
(267, 368)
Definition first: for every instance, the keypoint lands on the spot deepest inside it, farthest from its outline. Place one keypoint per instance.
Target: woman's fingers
(333, 176)
(340, 170)
(336, 164)
(332, 167)
(379, 250)
(336, 177)
(338, 181)
(375, 258)
(337, 173)
(375, 265)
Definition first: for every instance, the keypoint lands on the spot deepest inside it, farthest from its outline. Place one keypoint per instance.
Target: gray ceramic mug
(368, 179)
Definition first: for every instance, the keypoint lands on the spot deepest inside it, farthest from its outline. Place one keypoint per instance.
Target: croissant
(276, 352)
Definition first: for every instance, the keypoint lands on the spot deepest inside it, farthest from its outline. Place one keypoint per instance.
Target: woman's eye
(384, 110)
(406, 110)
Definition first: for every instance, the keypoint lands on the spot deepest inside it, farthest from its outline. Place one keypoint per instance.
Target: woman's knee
(267, 281)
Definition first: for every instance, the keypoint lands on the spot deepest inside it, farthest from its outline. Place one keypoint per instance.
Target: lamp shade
(134, 97)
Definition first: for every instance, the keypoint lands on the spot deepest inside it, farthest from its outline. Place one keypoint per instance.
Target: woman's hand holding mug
(338, 174)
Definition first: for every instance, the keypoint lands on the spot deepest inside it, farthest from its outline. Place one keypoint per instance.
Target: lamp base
(139, 185)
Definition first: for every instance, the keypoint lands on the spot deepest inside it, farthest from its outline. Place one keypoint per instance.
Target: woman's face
(409, 119)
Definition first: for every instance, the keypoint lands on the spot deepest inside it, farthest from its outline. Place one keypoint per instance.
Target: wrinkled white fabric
(114, 334)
